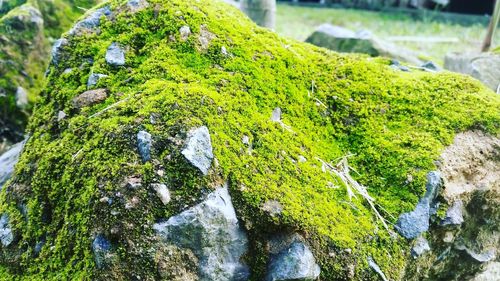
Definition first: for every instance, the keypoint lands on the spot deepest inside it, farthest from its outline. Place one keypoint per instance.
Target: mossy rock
(202, 63)
(27, 32)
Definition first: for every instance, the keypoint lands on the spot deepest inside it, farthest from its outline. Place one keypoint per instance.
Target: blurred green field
(298, 22)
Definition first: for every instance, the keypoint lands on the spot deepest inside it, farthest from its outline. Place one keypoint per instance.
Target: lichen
(393, 124)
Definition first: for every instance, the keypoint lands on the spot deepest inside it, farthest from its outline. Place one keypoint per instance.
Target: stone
(115, 55)
(162, 192)
(205, 37)
(485, 67)
(90, 97)
(57, 50)
(410, 225)
(134, 182)
(276, 115)
(341, 39)
(198, 149)
(429, 65)
(212, 232)
(272, 207)
(91, 22)
(61, 115)
(295, 262)
(101, 248)
(396, 65)
(144, 145)
(486, 256)
(137, 5)
(421, 246)
(21, 97)
(185, 31)
(8, 160)
(6, 235)
(94, 78)
(454, 214)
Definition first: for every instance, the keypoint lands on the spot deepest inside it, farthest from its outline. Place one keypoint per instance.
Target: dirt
(471, 163)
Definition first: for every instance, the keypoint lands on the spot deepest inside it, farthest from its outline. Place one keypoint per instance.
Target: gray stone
(144, 144)
(198, 149)
(21, 97)
(8, 160)
(61, 115)
(429, 65)
(421, 246)
(90, 97)
(137, 5)
(185, 31)
(101, 248)
(115, 55)
(454, 214)
(272, 207)
(344, 40)
(91, 22)
(485, 67)
(6, 235)
(212, 232)
(276, 115)
(410, 225)
(57, 50)
(485, 256)
(94, 78)
(162, 192)
(376, 268)
(294, 262)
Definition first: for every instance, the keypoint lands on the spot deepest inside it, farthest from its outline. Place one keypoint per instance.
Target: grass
(300, 22)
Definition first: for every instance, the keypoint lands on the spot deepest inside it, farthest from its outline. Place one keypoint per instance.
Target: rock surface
(115, 55)
(198, 149)
(341, 39)
(7, 162)
(484, 67)
(411, 225)
(211, 230)
(90, 97)
(6, 235)
(144, 144)
(294, 261)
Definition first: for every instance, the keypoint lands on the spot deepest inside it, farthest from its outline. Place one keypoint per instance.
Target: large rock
(209, 111)
(211, 230)
(485, 67)
(343, 40)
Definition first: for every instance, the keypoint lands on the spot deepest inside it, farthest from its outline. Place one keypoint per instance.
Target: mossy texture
(27, 32)
(228, 75)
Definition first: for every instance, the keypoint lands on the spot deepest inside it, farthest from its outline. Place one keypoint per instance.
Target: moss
(27, 34)
(394, 124)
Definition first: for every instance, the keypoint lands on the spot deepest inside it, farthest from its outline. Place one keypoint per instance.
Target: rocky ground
(176, 140)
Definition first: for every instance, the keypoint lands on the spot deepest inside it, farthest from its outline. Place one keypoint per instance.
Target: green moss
(28, 31)
(394, 124)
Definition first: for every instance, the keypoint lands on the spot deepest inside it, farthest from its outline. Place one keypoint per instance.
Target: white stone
(162, 192)
(198, 149)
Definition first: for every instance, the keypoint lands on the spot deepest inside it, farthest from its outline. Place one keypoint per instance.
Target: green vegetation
(394, 124)
(300, 22)
(27, 33)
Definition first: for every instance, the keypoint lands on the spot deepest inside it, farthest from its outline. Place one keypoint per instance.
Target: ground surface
(300, 22)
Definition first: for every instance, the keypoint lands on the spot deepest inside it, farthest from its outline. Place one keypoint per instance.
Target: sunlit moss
(392, 124)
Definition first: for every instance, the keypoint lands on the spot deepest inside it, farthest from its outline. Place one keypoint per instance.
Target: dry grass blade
(342, 171)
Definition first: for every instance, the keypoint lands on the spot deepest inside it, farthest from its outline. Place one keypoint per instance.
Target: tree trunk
(260, 11)
(495, 19)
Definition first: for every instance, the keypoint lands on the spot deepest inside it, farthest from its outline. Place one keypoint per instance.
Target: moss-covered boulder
(210, 148)
(27, 30)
